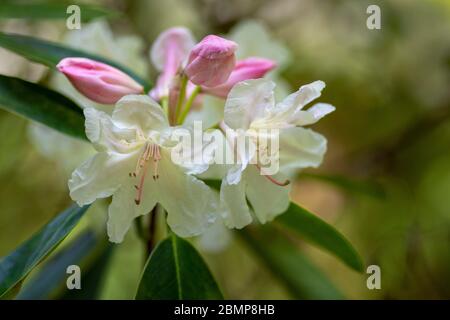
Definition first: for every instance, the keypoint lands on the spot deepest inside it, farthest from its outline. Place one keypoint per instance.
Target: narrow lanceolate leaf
(303, 279)
(41, 104)
(316, 231)
(53, 10)
(15, 266)
(50, 53)
(93, 278)
(175, 270)
(88, 251)
(53, 274)
(320, 233)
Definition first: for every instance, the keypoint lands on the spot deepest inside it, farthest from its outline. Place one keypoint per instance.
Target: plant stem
(151, 231)
(139, 228)
(165, 105)
(184, 81)
(188, 105)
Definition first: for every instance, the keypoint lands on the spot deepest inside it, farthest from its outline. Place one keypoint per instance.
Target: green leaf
(93, 277)
(13, 292)
(213, 183)
(50, 53)
(315, 230)
(41, 104)
(53, 272)
(363, 187)
(175, 270)
(303, 279)
(320, 233)
(53, 10)
(17, 265)
(87, 251)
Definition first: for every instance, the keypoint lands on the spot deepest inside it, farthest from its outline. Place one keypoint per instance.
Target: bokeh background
(385, 181)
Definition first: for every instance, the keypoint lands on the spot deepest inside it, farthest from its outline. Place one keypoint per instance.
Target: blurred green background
(385, 181)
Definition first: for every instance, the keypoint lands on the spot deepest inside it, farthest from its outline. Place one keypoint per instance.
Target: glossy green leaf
(41, 104)
(50, 10)
(16, 266)
(13, 292)
(303, 279)
(320, 233)
(87, 251)
(53, 272)
(175, 270)
(50, 53)
(93, 277)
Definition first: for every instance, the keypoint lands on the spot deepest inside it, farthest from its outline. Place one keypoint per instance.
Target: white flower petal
(245, 153)
(139, 112)
(247, 101)
(100, 176)
(234, 205)
(313, 114)
(320, 110)
(267, 199)
(214, 172)
(196, 154)
(216, 238)
(123, 209)
(179, 40)
(195, 168)
(219, 149)
(302, 97)
(190, 203)
(104, 134)
(300, 148)
(287, 113)
(234, 174)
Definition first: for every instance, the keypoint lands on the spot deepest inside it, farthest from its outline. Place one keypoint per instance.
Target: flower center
(259, 150)
(151, 151)
(264, 150)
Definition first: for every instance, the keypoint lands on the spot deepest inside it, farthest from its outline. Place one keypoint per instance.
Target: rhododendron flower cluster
(135, 146)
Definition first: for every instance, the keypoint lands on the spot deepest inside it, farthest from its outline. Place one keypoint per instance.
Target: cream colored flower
(251, 105)
(254, 39)
(133, 164)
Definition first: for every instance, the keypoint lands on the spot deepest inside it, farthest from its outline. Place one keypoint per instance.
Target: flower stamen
(140, 187)
(141, 161)
(272, 179)
(156, 158)
(151, 151)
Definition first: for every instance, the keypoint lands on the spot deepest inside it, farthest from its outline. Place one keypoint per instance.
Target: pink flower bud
(98, 81)
(211, 61)
(249, 68)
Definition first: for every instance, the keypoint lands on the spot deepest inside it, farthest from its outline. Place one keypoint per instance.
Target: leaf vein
(177, 267)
